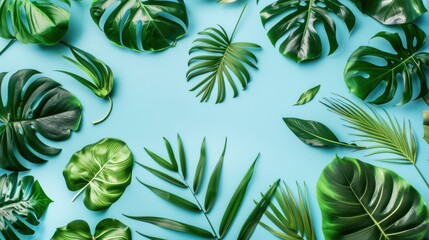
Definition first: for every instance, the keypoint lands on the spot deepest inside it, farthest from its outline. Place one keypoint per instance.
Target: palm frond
(220, 60)
(386, 135)
(292, 218)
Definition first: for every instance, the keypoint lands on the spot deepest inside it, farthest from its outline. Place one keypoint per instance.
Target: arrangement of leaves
(392, 11)
(361, 201)
(103, 170)
(315, 133)
(222, 59)
(369, 67)
(22, 204)
(40, 107)
(296, 21)
(307, 96)
(153, 18)
(39, 22)
(292, 218)
(105, 230)
(100, 74)
(179, 178)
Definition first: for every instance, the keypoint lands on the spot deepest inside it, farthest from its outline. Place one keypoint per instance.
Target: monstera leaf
(361, 201)
(103, 169)
(151, 25)
(392, 11)
(34, 107)
(105, 230)
(221, 60)
(369, 67)
(41, 22)
(21, 205)
(295, 23)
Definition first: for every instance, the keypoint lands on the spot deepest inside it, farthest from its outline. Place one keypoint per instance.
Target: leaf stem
(238, 21)
(200, 206)
(79, 193)
(7, 46)
(108, 112)
(421, 175)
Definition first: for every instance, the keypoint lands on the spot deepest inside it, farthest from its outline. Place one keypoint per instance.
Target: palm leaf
(220, 60)
(292, 218)
(100, 75)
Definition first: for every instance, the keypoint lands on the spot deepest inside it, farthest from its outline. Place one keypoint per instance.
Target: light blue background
(152, 100)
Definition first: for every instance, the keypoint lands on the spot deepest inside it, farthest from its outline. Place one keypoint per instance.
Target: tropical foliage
(103, 170)
(22, 204)
(308, 96)
(105, 230)
(34, 107)
(361, 201)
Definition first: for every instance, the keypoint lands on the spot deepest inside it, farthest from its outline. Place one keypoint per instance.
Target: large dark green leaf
(35, 105)
(369, 67)
(295, 22)
(21, 205)
(361, 201)
(221, 60)
(141, 25)
(41, 22)
(314, 133)
(107, 229)
(392, 11)
(103, 170)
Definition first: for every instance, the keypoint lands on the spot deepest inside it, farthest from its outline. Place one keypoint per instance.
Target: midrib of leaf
(96, 175)
(309, 9)
(334, 142)
(150, 18)
(366, 210)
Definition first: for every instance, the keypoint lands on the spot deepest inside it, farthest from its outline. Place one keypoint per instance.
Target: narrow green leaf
(235, 202)
(174, 199)
(426, 125)
(174, 225)
(314, 133)
(150, 237)
(161, 161)
(200, 167)
(164, 176)
(307, 96)
(255, 216)
(213, 187)
(182, 157)
(173, 160)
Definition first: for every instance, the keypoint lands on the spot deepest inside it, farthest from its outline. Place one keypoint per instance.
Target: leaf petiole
(108, 112)
(7, 46)
(421, 175)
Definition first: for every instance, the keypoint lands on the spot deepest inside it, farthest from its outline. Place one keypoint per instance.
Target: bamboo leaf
(307, 96)
(161, 161)
(182, 157)
(199, 172)
(164, 176)
(170, 152)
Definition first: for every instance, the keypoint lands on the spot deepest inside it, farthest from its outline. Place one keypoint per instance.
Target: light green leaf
(426, 125)
(361, 201)
(35, 106)
(199, 172)
(182, 157)
(213, 187)
(107, 229)
(307, 96)
(103, 170)
(22, 204)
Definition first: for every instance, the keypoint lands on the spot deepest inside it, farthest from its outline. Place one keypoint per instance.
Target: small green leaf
(164, 176)
(170, 152)
(174, 225)
(161, 161)
(174, 199)
(255, 216)
(213, 186)
(314, 133)
(150, 237)
(307, 96)
(426, 125)
(182, 157)
(235, 202)
(199, 172)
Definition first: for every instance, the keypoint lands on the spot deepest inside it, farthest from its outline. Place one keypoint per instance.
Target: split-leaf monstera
(22, 204)
(369, 67)
(35, 104)
(142, 25)
(392, 12)
(44, 23)
(103, 170)
(361, 201)
(107, 229)
(298, 26)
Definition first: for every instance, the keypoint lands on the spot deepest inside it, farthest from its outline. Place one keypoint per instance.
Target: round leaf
(103, 170)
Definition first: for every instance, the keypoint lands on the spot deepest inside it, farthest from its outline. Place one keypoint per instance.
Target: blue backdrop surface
(152, 100)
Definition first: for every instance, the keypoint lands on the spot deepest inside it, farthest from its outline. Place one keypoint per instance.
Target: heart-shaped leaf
(296, 20)
(40, 22)
(361, 201)
(21, 205)
(151, 25)
(369, 67)
(103, 170)
(35, 105)
(392, 12)
(107, 229)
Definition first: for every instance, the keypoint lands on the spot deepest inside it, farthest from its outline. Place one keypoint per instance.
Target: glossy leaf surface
(307, 96)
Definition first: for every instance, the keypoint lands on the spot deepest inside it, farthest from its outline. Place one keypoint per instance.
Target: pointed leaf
(199, 172)
(164, 176)
(182, 157)
(213, 186)
(426, 125)
(170, 152)
(307, 96)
